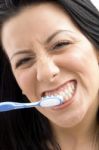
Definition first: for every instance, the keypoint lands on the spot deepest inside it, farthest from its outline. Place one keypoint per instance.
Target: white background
(96, 3)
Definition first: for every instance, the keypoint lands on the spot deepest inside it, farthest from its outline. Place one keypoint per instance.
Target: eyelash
(60, 44)
(22, 61)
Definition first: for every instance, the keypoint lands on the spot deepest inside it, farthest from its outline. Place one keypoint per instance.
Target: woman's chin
(72, 120)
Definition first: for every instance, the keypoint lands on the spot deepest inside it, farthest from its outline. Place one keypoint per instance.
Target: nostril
(53, 77)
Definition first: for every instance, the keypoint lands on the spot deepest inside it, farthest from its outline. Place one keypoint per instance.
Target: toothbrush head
(51, 101)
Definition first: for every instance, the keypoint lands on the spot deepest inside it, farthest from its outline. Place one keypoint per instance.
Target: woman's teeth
(65, 92)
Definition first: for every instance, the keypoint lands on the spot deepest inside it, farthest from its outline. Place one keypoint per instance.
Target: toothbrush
(48, 101)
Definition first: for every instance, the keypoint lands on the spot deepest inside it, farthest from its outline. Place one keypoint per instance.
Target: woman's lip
(66, 103)
(56, 89)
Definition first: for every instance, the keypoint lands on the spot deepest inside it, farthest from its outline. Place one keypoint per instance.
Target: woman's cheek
(78, 64)
(25, 81)
(72, 61)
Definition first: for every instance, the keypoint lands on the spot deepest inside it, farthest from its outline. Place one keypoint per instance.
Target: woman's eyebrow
(56, 33)
(25, 51)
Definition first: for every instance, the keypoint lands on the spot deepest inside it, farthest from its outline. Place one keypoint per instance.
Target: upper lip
(55, 89)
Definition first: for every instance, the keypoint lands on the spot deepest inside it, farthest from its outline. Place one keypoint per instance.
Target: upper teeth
(66, 92)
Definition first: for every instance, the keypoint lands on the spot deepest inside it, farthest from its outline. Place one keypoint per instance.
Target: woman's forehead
(51, 18)
(31, 25)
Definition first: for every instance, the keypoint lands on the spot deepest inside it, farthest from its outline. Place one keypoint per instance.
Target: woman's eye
(61, 44)
(23, 62)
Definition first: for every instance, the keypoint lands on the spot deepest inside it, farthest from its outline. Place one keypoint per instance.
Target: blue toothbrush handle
(7, 106)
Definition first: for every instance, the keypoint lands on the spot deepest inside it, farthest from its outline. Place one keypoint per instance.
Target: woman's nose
(47, 70)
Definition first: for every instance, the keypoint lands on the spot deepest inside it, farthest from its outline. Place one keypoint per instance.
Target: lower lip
(66, 104)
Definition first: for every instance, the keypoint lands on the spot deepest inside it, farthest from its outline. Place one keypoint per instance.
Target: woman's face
(50, 56)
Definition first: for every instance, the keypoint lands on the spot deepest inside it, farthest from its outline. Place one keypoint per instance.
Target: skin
(50, 65)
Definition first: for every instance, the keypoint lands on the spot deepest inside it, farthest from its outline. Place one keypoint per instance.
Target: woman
(51, 48)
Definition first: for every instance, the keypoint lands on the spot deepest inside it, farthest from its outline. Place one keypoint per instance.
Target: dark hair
(28, 128)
